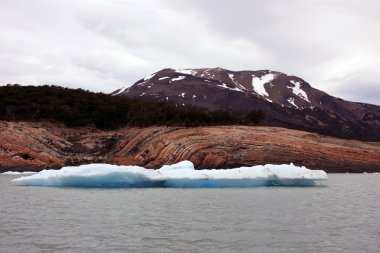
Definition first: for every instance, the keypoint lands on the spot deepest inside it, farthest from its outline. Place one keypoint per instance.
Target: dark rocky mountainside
(287, 101)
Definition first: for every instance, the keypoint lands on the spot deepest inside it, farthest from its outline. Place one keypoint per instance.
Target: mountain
(287, 101)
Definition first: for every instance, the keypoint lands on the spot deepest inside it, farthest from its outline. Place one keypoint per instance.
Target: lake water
(343, 217)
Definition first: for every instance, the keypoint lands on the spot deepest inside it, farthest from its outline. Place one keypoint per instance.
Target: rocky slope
(287, 101)
(35, 146)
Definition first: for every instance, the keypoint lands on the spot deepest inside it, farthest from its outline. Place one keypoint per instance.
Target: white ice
(258, 83)
(18, 173)
(298, 91)
(180, 175)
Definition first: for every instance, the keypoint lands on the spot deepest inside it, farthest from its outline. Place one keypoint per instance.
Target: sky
(103, 45)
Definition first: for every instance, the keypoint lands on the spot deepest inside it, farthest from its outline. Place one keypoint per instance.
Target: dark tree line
(77, 107)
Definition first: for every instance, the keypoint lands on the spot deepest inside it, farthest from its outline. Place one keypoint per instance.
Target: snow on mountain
(178, 78)
(298, 91)
(286, 100)
(258, 84)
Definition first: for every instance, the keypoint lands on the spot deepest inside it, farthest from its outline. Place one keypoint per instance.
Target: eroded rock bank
(26, 146)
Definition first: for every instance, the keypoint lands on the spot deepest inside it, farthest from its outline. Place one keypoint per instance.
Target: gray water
(343, 217)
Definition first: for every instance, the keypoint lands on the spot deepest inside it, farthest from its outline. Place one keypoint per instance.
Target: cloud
(102, 45)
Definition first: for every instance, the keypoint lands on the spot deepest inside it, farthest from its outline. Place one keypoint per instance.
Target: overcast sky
(102, 45)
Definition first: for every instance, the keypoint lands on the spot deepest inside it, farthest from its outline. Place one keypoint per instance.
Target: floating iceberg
(180, 175)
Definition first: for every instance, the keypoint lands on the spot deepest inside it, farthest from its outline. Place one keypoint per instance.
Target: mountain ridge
(286, 100)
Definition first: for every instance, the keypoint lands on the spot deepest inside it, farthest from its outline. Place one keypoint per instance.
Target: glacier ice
(180, 175)
(18, 173)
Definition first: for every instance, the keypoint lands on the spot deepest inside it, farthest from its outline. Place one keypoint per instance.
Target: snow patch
(194, 96)
(182, 95)
(146, 79)
(291, 101)
(223, 85)
(298, 91)
(180, 175)
(185, 71)
(149, 77)
(258, 83)
(163, 78)
(121, 91)
(241, 87)
(178, 78)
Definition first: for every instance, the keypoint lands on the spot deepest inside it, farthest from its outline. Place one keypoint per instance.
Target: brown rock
(36, 146)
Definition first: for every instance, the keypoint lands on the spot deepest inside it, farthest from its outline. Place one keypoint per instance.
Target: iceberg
(180, 175)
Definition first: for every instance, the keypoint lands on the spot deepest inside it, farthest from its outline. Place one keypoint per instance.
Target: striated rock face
(35, 146)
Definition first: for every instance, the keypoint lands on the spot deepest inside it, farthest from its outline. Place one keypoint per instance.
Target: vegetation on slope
(77, 107)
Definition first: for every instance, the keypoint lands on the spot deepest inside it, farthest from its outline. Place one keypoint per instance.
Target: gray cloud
(102, 45)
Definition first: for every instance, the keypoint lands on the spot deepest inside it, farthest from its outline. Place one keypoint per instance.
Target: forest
(78, 107)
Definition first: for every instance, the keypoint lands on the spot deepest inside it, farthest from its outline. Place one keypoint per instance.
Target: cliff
(39, 145)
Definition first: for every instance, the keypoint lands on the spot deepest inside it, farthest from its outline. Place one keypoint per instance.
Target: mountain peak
(287, 100)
